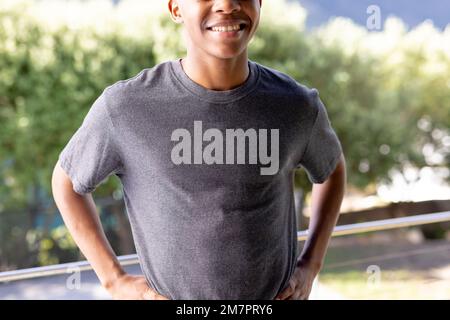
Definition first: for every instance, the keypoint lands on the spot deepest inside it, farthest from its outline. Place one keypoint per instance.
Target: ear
(174, 10)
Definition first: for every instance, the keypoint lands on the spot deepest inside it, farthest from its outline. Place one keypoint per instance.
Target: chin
(226, 53)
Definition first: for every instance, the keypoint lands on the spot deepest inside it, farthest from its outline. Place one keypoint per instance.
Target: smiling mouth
(231, 28)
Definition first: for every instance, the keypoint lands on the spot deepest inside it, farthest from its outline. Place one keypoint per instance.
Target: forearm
(81, 219)
(326, 202)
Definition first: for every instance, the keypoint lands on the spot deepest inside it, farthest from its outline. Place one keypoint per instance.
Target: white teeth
(226, 28)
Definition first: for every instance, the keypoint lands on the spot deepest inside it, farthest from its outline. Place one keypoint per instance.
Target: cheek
(254, 20)
(195, 33)
(255, 23)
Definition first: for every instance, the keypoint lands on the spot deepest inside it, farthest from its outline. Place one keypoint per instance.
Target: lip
(227, 23)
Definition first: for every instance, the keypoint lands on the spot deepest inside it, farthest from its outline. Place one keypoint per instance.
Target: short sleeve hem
(78, 187)
(330, 169)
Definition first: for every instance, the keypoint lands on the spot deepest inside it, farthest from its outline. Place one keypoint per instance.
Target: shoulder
(281, 85)
(128, 92)
(278, 81)
(147, 77)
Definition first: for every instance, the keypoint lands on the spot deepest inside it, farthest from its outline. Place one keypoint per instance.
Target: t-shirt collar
(224, 96)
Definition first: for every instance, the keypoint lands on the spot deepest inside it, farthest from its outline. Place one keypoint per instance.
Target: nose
(227, 6)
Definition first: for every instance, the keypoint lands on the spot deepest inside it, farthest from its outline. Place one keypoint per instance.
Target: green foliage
(52, 247)
(47, 85)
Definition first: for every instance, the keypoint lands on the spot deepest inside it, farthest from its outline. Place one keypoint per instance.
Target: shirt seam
(111, 134)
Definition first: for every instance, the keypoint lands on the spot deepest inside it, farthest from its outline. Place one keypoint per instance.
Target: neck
(215, 73)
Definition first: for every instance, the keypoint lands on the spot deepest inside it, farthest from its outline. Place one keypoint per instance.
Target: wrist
(313, 265)
(109, 282)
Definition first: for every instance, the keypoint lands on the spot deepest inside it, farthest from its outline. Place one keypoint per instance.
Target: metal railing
(132, 259)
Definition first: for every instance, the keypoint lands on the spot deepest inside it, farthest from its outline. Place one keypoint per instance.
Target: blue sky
(411, 12)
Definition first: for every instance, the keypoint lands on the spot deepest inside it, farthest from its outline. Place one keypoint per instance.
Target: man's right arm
(81, 219)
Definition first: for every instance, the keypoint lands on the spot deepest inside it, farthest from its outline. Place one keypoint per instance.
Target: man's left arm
(326, 202)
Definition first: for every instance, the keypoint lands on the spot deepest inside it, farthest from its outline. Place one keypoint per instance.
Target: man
(206, 148)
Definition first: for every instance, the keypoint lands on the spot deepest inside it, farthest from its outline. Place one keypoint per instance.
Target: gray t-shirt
(208, 222)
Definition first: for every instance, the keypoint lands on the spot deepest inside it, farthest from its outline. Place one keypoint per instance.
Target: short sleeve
(91, 155)
(323, 150)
